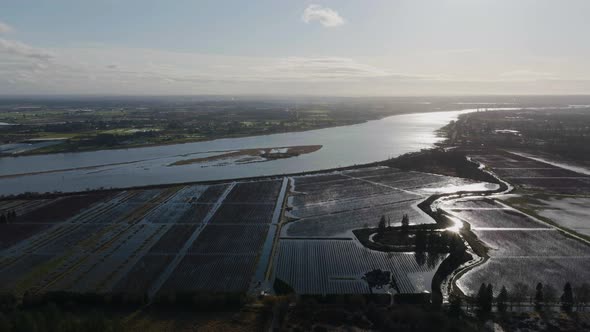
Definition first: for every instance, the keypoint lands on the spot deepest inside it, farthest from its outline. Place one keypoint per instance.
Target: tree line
(540, 296)
(7, 216)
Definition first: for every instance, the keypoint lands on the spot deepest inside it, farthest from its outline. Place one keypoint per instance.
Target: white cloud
(5, 28)
(322, 68)
(326, 16)
(16, 48)
(524, 74)
(106, 69)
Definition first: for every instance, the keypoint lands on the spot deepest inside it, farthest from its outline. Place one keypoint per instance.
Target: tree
(520, 292)
(382, 224)
(549, 294)
(539, 297)
(583, 294)
(482, 298)
(567, 298)
(405, 221)
(2, 219)
(489, 298)
(377, 279)
(502, 299)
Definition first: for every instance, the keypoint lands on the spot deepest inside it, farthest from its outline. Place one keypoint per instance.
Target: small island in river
(252, 155)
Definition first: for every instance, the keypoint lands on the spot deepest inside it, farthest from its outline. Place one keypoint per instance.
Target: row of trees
(7, 217)
(385, 223)
(543, 295)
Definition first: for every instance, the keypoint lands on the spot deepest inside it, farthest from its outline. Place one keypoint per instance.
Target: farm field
(137, 241)
(569, 212)
(318, 252)
(221, 237)
(497, 219)
(479, 204)
(336, 267)
(338, 203)
(533, 175)
(522, 248)
(519, 248)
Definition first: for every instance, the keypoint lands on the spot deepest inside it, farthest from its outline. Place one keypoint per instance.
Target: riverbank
(362, 144)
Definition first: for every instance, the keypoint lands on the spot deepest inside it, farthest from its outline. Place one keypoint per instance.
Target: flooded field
(141, 241)
(523, 248)
(318, 252)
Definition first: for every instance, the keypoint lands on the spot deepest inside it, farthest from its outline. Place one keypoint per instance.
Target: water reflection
(342, 146)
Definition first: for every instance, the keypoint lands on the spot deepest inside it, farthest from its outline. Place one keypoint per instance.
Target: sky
(290, 47)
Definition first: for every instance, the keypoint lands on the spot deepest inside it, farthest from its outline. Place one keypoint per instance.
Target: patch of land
(253, 155)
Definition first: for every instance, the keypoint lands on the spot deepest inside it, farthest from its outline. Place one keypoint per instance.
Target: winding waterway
(342, 146)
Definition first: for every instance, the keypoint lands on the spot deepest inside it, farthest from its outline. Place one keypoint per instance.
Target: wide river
(342, 146)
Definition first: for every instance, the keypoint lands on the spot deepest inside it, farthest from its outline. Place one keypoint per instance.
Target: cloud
(527, 75)
(5, 28)
(108, 69)
(322, 68)
(326, 16)
(16, 48)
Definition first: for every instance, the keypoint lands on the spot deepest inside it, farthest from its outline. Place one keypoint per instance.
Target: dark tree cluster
(7, 216)
(543, 295)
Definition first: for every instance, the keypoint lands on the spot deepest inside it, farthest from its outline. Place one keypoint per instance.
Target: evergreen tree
(539, 297)
(405, 221)
(567, 298)
(481, 298)
(382, 224)
(489, 298)
(502, 299)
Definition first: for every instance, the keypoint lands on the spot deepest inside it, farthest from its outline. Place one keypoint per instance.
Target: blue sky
(362, 47)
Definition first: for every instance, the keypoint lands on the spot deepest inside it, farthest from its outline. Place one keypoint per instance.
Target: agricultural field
(520, 249)
(318, 252)
(497, 218)
(221, 237)
(534, 176)
(139, 241)
(333, 266)
(337, 203)
(569, 212)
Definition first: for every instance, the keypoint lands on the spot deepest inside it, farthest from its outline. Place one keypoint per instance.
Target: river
(342, 146)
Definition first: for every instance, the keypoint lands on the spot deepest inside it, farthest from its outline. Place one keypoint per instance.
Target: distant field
(90, 125)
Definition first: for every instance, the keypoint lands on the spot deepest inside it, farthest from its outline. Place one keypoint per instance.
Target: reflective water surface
(342, 146)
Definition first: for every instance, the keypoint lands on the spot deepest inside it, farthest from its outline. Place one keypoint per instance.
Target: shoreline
(441, 132)
(139, 146)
